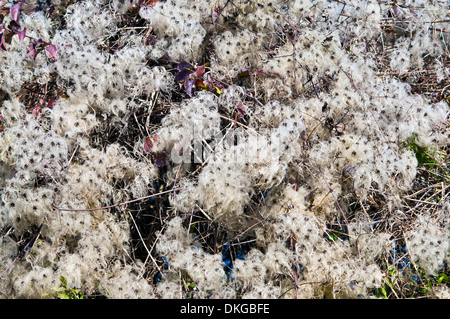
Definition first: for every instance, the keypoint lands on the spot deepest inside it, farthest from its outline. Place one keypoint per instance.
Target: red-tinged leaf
(15, 11)
(198, 83)
(148, 145)
(22, 34)
(156, 138)
(31, 51)
(257, 72)
(216, 12)
(51, 103)
(2, 42)
(52, 50)
(201, 84)
(35, 111)
(151, 4)
(199, 71)
(241, 108)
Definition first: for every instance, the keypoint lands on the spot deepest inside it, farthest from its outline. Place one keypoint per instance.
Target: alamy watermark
(234, 146)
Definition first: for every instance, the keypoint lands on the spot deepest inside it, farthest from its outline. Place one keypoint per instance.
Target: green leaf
(442, 278)
(191, 285)
(63, 281)
(383, 291)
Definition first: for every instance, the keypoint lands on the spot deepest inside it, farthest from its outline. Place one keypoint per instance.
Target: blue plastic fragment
(158, 278)
(228, 259)
(196, 245)
(166, 263)
(240, 255)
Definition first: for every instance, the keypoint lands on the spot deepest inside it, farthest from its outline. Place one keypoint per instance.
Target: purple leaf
(395, 9)
(160, 159)
(184, 65)
(165, 58)
(150, 39)
(32, 51)
(21, 34)
(188, 84)
(182, 75)
(15, 11)
(52, 50)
